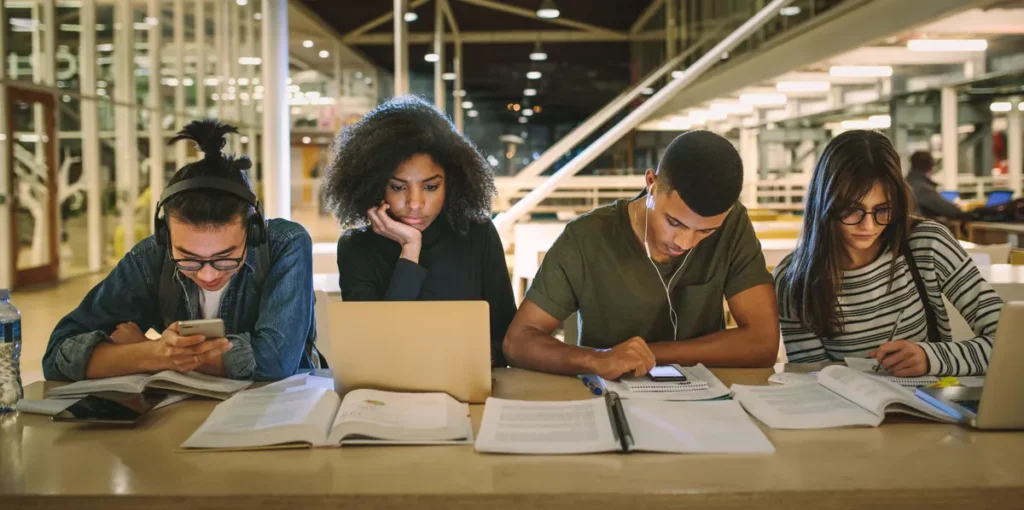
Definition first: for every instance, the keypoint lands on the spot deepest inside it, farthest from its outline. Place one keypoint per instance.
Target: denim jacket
(269, 328)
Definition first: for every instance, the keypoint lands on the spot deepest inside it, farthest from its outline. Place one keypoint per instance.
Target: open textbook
(190, 382)
(611, 424)
(843, 397)
(700, 384)
(314, 415)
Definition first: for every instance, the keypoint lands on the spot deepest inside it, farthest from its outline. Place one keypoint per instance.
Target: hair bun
(210, 136)
(243, 163)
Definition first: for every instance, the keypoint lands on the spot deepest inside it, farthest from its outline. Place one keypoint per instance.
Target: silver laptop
(412, 346)
(1000, 403)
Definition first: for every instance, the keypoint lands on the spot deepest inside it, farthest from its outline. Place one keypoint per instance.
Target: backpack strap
(929, 312)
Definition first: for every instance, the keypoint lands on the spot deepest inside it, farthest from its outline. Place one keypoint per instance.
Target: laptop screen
(950, 195)
(998, 198)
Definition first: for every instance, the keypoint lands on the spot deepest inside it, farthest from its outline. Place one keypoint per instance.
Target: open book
(191, 382)
(843, 397)
(611, 424)
(309, 415)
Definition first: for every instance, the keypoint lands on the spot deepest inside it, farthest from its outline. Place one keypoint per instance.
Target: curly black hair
(366, 154)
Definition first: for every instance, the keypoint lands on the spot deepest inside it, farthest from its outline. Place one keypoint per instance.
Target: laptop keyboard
(970, 405)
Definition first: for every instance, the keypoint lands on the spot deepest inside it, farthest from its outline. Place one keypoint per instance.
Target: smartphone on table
(209, 328)
(666, 373)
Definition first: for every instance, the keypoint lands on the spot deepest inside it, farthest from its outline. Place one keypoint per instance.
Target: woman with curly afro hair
(416, 197)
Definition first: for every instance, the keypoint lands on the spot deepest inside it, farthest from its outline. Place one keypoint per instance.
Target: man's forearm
(741, 347)
(534, 349)
(111, 360)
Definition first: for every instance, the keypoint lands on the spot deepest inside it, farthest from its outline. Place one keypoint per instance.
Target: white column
(49, 61)
(439, 50)
(156, 111)
(236, 71)
(1015, 145)
(6, 249)
(127, 138)
(457, 92)
(401, 48)
(180, 149)
(91, 136)
(200, 29)
(950, 140)
(276, 121)
(220, 46)
(250, 73)
(751, 163)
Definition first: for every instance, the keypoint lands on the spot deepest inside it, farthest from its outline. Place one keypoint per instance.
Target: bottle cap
(5, 294)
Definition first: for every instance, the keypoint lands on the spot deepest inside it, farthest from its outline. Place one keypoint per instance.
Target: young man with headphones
(212, 255)
(648, 276)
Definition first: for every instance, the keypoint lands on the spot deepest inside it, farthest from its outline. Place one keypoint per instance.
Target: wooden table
(904, 463)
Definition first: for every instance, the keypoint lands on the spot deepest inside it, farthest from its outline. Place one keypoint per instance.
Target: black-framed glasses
(855, 215)
(225, 264)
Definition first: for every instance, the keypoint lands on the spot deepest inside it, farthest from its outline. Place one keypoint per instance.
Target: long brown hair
(849, 167)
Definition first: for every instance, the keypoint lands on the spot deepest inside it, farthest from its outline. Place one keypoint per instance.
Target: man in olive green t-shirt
(648, 276)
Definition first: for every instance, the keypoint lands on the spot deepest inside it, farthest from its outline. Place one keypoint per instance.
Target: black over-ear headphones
(255, 223)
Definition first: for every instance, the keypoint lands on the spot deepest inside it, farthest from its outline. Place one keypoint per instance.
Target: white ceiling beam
(899, 56)
(561, 20)
(506, 36)
(452, 25)
(978, 22)
(645, 17)
(380, 20)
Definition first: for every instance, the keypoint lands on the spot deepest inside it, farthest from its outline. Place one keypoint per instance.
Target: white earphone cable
(672, 315)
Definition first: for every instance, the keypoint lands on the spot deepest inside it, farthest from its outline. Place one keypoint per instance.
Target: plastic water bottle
(10, 353)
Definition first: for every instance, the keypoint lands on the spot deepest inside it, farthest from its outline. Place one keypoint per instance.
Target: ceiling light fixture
(411, 16)
(789, 11)
(538, 54)
(533, 75)
(307, 43)
(548, 10)
(860, 71)
(432, 57)
(763, 99)
(951, 45)
(803, 86)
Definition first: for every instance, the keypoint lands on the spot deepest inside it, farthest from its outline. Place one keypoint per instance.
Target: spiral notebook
(700, 384)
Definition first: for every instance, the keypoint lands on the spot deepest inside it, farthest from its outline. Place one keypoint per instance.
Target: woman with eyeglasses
(867, 279)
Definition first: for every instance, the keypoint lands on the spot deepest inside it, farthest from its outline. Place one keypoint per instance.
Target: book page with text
(875, 394)
(802, 406)
(516, 426)
(260, 419)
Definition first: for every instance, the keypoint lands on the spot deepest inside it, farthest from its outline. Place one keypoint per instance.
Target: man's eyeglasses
(225, 264)
(855, 215)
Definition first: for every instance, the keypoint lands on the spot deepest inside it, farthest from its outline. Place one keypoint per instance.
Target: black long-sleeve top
(452, 267)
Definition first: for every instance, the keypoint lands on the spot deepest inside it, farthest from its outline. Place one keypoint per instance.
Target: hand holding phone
(208, 328)
(666, 373)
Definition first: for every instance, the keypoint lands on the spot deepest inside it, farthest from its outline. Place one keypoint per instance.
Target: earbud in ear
(650, 197)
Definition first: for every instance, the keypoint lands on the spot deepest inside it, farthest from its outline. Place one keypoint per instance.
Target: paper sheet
(513, 426)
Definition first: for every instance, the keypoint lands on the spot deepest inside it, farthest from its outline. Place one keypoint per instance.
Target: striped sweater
(869, 307)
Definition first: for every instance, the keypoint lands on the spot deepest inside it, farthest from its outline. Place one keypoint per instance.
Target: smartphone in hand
(209, 328)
